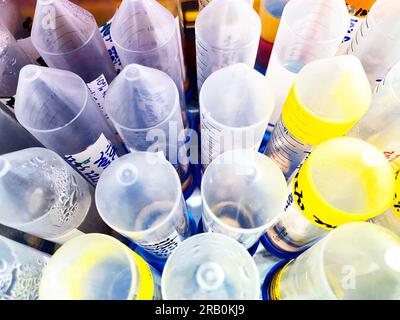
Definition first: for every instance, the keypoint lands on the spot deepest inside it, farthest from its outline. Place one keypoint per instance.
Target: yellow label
(310, 128)
(315, 208)
(146, 282)
(274, 290)
(269, 24)
(396, 198)
(359, 8)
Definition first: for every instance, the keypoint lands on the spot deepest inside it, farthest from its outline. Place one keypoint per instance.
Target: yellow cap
(328, 97)
(343, 180)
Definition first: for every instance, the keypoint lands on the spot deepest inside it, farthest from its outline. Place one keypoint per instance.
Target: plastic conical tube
(140, 196)
(308, 30)
(236, 119)
(390, 219)
(56, 107)
(143, 104)
(375, 43)
(9, 14)
(328, 97)
(20, 272)
(97, 267)
(67, 37)
(12, 59)
(13, 136)
(43, 196)
(380, 125)
(357, 261)
(243, 194)
(210, 267)
(343, 180)
(145, 33)
(227, 32)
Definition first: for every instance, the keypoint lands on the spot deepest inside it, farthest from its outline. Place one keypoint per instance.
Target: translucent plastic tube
(12, 59)
(227, 32)
(43, 196)
(342, 181)
(210, 267)
(375, 41)
(145, 33)
(328, 97)
(140, 196)
(243, 194)
(56, 107)
(143, 104)
(308, 30)
(68, 38)
(20, 272)
(390, 219)
(13, 136)
(357, 261)
(97, 267)
(380, 125)
(238, 118)
(9, 14)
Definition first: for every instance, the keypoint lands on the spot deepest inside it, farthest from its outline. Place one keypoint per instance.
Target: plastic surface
(308, 30)
(236, 103)
(146, 33)
(143, 104)
(375, 42)
(227, 32)
(56, 107)
(208, 267)
(13, 136)
(67, 37)
(342, 181)
(328, 97)
(44, 196)
(243, 193)
(140, 196)
(380, 125)
(357, 261)
(97, 267)
(20, 272)
(12, 59)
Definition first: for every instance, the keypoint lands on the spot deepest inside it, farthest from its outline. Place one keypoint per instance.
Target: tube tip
(132, 73)
(210, 276)
(30, 72)
(127, 175)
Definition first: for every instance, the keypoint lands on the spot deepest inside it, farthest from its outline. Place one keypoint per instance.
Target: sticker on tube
(310, 128)
(315, 208)
(275, 293)
(146, 285)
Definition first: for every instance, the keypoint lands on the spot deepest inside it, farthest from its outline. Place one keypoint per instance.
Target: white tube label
(94, 160)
